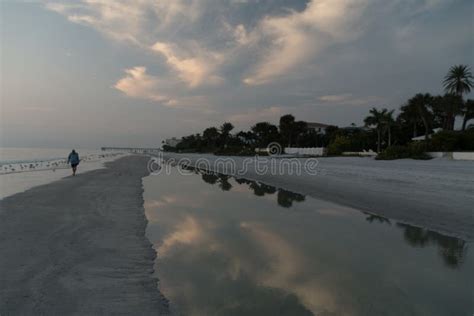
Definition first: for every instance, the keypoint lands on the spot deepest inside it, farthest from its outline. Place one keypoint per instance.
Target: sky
(97, 73)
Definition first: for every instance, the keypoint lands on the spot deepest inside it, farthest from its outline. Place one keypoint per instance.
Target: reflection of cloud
(186, 232)
(288, 270)
(335, 211)
(165, 200)
(153, 207)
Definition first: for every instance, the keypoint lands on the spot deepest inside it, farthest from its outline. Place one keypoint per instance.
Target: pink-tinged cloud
(138, 84)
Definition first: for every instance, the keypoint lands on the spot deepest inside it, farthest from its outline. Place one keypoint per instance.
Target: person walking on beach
(73, 159)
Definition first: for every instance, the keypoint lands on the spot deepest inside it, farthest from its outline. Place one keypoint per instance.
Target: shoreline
(434, 194)
(78, 246)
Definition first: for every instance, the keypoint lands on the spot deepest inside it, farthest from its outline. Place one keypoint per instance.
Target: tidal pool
(228, 246)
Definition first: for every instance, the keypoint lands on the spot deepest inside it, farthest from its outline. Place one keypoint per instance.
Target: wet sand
(435, 194)
(77, 246)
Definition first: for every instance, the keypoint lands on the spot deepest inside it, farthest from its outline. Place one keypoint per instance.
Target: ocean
(24, 168)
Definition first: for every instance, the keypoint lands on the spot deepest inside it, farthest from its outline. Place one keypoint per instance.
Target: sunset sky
(132, 73)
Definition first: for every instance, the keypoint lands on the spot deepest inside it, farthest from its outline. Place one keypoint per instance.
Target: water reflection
(285, 198)
(238, 253)
(451, 249)
(376, 218)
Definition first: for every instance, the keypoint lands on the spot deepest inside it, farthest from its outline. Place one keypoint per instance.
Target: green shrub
(445, 141)
(466, 141)
(452, 141)
(417, 150)
(394, 152)
(339, 145)
(235, 151)
(414, 150)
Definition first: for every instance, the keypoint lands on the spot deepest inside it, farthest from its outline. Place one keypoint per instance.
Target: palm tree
(210, 135)
(468, 111)
(458, 80)
(286, 125)
(388, 123)
(446, 108)
(265, 133)
(226, 128)
(376, 119)
(225, 132)
(409, 116)
(422, 103)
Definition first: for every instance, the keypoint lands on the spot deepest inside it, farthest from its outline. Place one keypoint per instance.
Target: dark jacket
(73, 158)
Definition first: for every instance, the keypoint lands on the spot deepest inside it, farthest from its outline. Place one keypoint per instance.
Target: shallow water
(236, 247)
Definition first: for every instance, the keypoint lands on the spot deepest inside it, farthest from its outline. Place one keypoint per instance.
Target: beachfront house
(422, 137)
(319, 128)
(172, 142)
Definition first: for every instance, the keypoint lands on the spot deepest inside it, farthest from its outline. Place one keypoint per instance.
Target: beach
(78, 246)
(435, 194)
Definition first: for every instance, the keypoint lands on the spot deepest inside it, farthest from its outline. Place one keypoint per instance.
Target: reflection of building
(172, 142)
(317, 127)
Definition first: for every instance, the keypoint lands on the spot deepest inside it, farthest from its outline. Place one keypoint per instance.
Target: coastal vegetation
(424, 123)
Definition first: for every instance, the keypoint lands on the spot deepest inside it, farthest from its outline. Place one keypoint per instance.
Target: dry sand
(77, 246)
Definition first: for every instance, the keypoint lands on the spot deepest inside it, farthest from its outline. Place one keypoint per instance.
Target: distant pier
(136, 150)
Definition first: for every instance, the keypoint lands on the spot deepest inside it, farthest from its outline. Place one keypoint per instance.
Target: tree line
(382, 130)
(220, 140)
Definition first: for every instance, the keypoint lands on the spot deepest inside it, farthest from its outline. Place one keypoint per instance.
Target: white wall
(463, 155)
(313, 151)
(457, 155)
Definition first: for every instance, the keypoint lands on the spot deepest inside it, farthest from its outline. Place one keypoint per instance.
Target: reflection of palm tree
(452, 250)
(372, 217)
(209, 178)
(224, 183)
(414, 236)
(261, 189)
(286, 198)
(243, 181)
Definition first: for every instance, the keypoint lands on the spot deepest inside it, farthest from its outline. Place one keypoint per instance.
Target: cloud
(278, 43)
(37, 108)
(297, 37)
(270, 114)
(349, 99)
(261, 45)
(138, 84)
(138, 22)
(194, 71)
